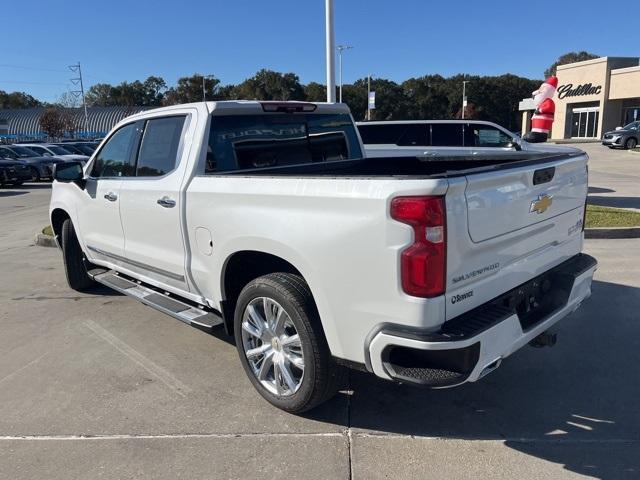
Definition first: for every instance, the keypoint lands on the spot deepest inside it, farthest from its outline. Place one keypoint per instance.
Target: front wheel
(35, 175)
(281, 343)
(75, 264)
(631, 143)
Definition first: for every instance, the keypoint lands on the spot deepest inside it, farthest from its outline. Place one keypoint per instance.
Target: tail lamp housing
(424, 262)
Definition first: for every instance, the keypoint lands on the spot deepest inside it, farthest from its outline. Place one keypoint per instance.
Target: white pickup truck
(264, 218)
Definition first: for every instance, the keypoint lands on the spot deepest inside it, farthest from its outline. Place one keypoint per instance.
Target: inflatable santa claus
(542, 118)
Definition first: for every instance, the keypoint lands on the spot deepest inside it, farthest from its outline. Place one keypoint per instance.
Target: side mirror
(47, 154)
(618, 128)
(515, 144)
(67, 172)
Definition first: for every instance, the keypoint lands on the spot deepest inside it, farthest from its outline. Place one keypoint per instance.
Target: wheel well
(241, 268)
(58, 216)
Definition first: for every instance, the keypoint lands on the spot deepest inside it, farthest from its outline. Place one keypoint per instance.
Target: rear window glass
(238, 142)
(446, 135)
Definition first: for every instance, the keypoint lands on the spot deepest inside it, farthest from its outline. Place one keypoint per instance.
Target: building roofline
(593, 61)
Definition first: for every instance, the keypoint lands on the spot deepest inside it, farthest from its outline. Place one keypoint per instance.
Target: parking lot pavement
(614, 176)
(100, 385)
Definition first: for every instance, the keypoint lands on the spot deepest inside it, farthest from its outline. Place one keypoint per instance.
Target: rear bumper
(469, 346)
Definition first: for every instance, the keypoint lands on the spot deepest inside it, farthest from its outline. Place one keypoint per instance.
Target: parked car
(264, 218)
(50, 150)
(623, 137)
(444, 137)
(41, 168)
(79, 148)
(13, 173)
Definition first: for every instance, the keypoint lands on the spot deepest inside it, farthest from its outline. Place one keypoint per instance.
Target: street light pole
(464, 96)
(340, 49)
(330, 52)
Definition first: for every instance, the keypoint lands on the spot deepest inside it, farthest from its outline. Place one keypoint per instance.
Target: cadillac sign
(568, 90)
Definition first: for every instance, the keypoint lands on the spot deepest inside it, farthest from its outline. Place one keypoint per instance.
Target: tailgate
(508, 200)
(510, 225)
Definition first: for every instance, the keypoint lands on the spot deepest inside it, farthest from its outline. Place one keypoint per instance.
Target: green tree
(189, 89)
(315, 92)
(149, 93)
(570, 57)
(270, 85)
(17, 100)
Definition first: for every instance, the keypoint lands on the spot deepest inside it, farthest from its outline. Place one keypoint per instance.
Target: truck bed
(414, 167)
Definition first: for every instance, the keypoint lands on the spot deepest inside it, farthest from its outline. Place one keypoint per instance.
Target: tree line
(492, 98)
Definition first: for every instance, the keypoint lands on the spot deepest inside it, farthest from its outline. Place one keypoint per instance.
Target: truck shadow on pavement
(576, 404)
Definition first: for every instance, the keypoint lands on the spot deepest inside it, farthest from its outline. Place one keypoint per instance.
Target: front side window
(632, 126)
(414, 135)
(238, 142)
(59, 150)
(114, 159)
(446, 135)
(159, 148)
(40, 150)
(479, 135)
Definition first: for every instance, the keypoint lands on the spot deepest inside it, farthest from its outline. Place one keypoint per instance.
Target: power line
(33, 83)
(26, 67)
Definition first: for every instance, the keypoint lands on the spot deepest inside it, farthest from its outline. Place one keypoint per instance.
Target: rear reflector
(288, 107)
(423, 264)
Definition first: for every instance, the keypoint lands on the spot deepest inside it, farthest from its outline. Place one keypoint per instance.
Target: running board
(192, 315)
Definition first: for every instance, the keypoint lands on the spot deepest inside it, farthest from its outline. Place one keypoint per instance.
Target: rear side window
(480, 135)
(114, 159)
(414, 135)
(446, 135)
(238, 142)
(158, 152)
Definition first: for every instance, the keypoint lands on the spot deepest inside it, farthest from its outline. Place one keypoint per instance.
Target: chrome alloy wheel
(272, 346)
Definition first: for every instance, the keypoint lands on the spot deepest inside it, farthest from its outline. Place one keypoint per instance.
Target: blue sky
(129, 40)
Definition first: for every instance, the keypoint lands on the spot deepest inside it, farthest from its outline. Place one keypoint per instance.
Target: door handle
(112, 197)
(166, 202)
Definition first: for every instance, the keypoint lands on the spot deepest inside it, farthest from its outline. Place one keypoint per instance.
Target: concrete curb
(615, 232)
(43, 240)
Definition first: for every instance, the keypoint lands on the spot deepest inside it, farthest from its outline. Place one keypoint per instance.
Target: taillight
(424, 263)
(584, 212)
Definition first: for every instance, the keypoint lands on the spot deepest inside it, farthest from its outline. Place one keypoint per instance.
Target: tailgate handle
(543, 175)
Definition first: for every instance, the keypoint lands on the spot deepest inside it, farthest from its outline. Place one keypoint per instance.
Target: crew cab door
(151, 201)
(99, 212)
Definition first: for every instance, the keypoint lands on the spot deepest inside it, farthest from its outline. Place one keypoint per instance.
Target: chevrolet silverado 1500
(266, 219)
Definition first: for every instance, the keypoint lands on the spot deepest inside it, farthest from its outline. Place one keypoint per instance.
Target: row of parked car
(33, 162)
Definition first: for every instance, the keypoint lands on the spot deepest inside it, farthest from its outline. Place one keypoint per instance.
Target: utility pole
(340, 49)
(78, 81)
(464, 96)
(330, 51)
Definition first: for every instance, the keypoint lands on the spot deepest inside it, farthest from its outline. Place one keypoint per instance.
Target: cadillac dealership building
(593, 97)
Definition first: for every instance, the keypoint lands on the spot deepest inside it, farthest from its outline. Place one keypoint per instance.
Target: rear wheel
(281, 344)
(75, 263)
(35, 175)
(631, 143)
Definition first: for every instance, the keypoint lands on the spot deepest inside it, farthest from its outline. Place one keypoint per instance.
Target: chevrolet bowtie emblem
(541, 204)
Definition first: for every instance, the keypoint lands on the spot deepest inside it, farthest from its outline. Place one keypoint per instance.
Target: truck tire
(74, 260)
(281, 343)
